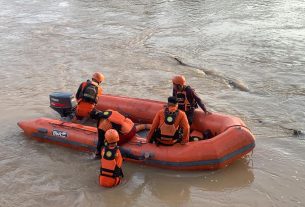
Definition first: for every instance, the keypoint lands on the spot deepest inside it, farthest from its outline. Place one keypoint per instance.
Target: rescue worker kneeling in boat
(87, 95)
(170, 125)
(111, 163)
(188, 100)
(111, 119)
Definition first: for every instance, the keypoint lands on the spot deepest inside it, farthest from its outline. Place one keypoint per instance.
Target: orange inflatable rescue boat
(222, 138)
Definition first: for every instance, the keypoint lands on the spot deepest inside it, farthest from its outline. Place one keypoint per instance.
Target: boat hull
(232, 139)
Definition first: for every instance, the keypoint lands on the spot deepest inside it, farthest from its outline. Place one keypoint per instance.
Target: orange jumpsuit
(123, 125)
(168, 131)
(84, 108)
(111, 163)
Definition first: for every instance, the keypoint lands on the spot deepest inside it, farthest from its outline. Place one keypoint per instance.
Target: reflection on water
(238, 176)
(172, 188)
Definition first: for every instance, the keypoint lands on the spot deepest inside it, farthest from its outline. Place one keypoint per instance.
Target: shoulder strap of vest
(83, 86)
(88, 83)
(105, 114)
(189, 94)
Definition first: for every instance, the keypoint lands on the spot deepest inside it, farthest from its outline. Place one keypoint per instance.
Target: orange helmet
(112, 136)
(98, 77)
(179, 80)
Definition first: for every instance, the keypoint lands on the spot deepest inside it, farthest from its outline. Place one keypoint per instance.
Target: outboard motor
(63, 102)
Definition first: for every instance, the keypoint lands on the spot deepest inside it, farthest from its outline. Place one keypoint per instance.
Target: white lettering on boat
(59, 133)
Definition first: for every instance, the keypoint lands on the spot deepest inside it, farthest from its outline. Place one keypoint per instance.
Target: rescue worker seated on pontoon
(188, 100)
(87, 95)
(170, 125)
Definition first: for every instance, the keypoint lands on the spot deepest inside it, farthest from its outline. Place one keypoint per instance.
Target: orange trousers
(109, 182)
(83, 109)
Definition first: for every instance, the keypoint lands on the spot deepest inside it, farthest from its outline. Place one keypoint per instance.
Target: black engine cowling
(63, 102)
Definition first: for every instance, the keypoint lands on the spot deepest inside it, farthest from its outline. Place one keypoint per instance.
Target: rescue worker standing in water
(111, 163)
(167, 125)
(188, 100)
(87, 95)
(111, 119)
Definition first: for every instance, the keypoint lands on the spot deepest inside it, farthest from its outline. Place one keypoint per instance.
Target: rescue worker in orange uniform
(167, 125)
(111, 119)
(111, 163)
(188, 100)
(87, 95)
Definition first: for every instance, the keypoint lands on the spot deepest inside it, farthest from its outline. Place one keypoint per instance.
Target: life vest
(169, 133)
(183, 103)
(89, 92)
(115, 120)
(109, 167)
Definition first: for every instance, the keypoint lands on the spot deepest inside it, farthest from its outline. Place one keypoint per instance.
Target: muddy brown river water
(244, 58)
